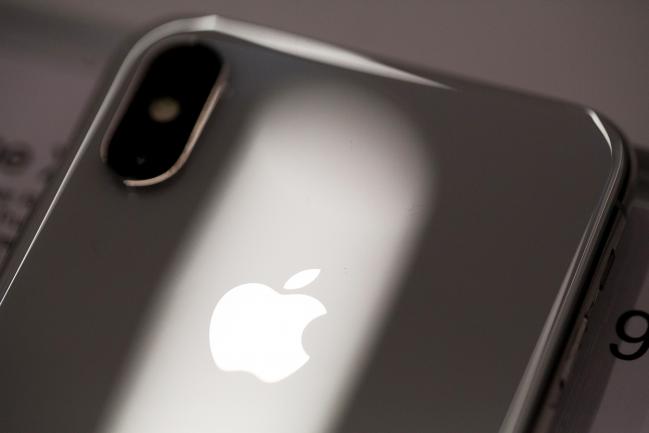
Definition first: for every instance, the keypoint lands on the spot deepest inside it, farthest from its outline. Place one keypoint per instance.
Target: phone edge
(547, 360)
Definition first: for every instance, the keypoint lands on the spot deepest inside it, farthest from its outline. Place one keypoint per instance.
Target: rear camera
(164, 109)
(163, 118)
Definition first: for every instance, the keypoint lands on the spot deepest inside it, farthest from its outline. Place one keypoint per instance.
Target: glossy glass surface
(417, 235)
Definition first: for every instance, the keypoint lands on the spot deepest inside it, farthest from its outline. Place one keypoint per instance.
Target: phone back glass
(443, 220)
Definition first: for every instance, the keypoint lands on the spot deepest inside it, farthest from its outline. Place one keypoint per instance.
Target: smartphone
(264, 233)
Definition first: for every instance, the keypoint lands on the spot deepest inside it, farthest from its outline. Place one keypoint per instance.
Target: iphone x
(264, 233)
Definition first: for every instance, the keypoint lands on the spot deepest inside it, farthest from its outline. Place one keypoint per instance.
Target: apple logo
(257, 330)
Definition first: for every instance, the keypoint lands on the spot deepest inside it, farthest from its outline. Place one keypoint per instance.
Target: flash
(164, 109)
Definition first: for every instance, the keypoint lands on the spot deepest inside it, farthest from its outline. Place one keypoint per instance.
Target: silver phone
(264, 233)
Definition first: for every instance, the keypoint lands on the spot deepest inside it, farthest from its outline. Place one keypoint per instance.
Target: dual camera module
(156, 128)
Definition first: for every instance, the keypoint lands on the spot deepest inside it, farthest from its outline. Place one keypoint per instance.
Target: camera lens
(162, 119)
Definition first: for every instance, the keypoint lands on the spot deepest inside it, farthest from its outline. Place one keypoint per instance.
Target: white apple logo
(257, 330)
